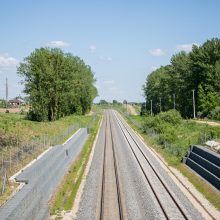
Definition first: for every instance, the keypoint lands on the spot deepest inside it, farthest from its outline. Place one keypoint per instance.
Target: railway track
(110, 203)
(160, 188)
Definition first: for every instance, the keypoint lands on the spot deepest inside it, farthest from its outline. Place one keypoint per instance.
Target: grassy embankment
(171, 136)
(17, 132)
(15, 125)
(65, 195)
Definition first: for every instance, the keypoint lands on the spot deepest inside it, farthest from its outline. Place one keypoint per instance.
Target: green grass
(16, 132)
(65, 195)
(12, 124)
(189, 132)
(201, 185)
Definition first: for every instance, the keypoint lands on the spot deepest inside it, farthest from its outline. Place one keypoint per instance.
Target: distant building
(16, 102)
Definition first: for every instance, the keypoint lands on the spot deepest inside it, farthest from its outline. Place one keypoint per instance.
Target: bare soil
(211, 123)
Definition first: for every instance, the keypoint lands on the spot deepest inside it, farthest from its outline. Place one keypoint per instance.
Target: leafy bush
(172, 117)
(163, 121)
(215, 114)
(169, 136)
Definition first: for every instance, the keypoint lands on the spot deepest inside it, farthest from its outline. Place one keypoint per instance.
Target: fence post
(2, 162)
(44, 140)
(4, 181)
(10, 161)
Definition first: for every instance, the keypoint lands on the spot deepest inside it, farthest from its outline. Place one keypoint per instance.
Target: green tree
(58, 84)
(198, 70)
(207, 101)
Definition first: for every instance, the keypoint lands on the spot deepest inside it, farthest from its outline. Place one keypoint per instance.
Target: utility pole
(160, 104)
(6, 91)
(151, 109)
(194, 107)
(174, 101)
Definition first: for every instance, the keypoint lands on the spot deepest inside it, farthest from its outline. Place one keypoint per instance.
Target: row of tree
(172, 86)
(58, 84)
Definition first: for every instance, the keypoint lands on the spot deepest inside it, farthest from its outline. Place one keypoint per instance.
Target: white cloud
(57, 43)
(109, 82)
(92, 48)
(157, 52)
(7, 61)
(108, 59)
(185, 47)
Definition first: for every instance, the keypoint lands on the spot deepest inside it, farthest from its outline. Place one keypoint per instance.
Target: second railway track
(170, 206)
(110, 206)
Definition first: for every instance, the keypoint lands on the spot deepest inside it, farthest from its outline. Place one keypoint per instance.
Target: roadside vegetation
(66, 192)
(174, 135)
(16, 127)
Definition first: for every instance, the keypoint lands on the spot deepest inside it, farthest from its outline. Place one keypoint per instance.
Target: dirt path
(131, 110)
(13, 110)
(211, 123)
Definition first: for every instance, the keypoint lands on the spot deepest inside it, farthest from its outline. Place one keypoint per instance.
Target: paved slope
(42, 177)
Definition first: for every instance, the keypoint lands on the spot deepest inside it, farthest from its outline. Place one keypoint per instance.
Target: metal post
(6, 91)
(194, 107)
(4, 182)
(2, 162)
(10, 160)
(151, 108)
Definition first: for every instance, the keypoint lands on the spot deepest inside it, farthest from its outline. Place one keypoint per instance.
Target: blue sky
(123, 41)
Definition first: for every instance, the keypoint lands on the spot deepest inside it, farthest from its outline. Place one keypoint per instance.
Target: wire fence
(14, 158)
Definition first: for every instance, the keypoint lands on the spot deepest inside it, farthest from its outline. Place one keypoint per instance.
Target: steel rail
(101, 216)
(103, 176)
(116, 176)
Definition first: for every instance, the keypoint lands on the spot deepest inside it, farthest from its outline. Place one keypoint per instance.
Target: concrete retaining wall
(205, 162)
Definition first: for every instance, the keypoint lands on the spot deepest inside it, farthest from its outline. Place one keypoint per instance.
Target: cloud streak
(7, 61)
(157, 52)
(92, 48)
(109, 82)
(57, 43)
(185, 47)
(106, 59)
